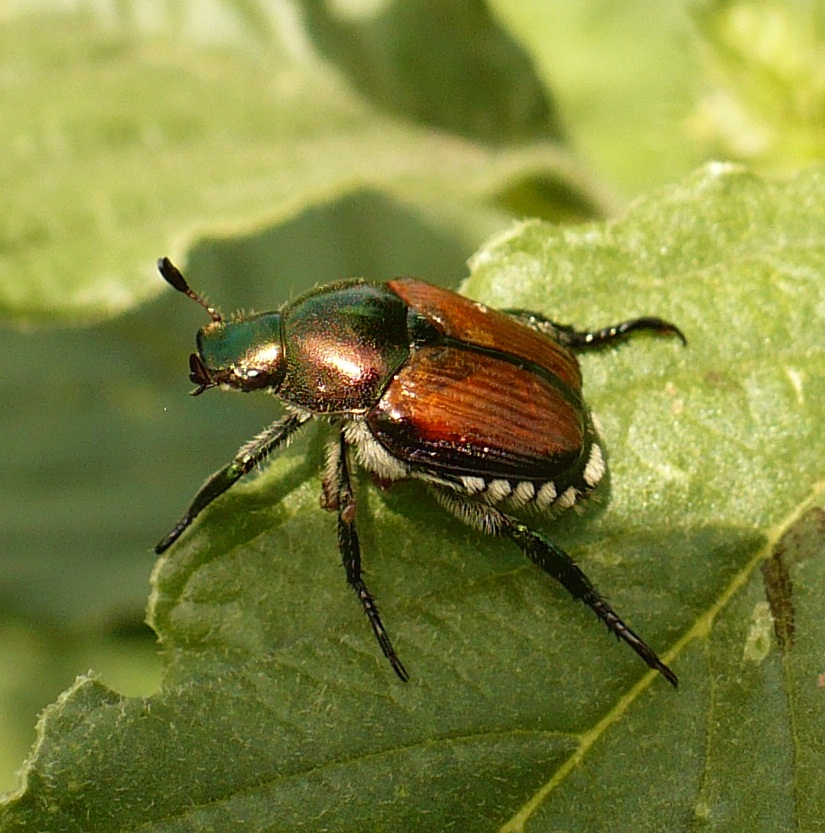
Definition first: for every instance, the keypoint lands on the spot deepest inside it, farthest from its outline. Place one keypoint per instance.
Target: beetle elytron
(485, 406)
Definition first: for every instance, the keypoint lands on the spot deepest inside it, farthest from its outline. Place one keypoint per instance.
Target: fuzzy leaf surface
(277, 711)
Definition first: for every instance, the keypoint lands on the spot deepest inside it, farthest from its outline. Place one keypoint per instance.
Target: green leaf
(475, 82)
(277, 710)
(624, 77)
(127, 136)
(647, 91)
(765, 88)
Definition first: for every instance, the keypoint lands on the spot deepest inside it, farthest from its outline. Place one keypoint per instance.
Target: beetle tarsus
(173, 535)
(368, 603)
(589, 339)
(616, 626)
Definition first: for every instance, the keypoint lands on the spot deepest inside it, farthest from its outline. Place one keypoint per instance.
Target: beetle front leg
(590, 339)
(338, 496)
(247, 458)
(556, 563)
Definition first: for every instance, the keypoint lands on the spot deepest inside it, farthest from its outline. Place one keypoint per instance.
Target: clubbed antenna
(172, 275)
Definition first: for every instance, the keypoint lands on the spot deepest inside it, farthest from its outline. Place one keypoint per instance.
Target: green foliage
(298, 138)
(124, 141)
(765, 63)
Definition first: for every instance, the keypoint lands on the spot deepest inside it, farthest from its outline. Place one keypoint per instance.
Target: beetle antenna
(172, 275)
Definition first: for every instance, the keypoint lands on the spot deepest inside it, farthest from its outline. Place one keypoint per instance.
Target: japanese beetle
(484, 406)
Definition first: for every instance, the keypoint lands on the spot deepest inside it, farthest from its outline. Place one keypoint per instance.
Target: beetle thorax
(342, 347)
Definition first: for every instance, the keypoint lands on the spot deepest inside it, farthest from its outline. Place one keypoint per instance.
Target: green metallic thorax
(342, 345)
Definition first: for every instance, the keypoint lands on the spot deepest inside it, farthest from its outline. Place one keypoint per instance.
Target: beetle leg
(556, 563)
(247, 458)
(338, 496)
(589, 339)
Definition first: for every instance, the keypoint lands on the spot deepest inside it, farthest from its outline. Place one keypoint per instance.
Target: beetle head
(246, 354)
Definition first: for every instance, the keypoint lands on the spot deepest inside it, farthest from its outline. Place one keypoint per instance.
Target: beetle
(484, 406)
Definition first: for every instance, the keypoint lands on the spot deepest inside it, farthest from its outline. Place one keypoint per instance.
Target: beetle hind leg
(338, 496)
(592, 339)
(556, 563)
